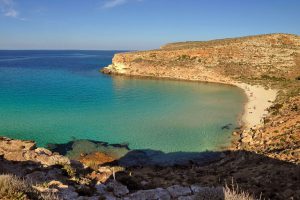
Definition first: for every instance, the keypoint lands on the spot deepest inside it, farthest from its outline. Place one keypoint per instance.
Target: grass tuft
(225, 193)
(12, 187)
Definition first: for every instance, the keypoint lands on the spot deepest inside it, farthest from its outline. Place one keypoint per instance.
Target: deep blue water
(56, 96)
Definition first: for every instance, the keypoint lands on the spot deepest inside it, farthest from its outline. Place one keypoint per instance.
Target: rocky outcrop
(269, 56)
(18, 150)
(78, 181)
(279, 135)
(57, 177)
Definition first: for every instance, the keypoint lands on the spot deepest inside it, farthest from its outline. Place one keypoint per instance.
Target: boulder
(193, 197)
(52, 160)
(117, 188)
(10, 145)
(154, 194)
(44, 151)
(68, 193)
(177, 191)
(196, 188)
(101, 188)
(37, 177)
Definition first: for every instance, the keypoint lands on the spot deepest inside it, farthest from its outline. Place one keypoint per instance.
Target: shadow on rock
(253, 173)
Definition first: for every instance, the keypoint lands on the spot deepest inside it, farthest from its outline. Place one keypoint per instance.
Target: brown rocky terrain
(263, 56)
(38, 173)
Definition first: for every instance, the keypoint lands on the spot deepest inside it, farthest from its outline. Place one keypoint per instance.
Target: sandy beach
(259, 99)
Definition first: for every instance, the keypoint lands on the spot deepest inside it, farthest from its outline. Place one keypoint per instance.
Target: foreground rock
(51, 173)
(18, 150)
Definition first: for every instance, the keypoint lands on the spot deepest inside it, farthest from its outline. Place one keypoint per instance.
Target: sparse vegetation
(273, 78)
(184, 58)
(138, 60)
(225, 193)
(71, 172)
(236, 194)
(14, 188)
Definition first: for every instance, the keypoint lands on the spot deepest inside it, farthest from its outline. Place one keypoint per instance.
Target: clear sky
(138, 24)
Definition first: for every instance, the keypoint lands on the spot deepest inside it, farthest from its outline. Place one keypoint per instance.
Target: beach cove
(60, 96)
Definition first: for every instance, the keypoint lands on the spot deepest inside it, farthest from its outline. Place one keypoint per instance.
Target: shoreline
(255, 108)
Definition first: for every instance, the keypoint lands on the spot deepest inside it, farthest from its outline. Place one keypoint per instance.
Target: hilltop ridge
(255, 57)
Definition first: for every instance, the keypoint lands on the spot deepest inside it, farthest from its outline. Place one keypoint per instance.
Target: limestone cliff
(261, 56)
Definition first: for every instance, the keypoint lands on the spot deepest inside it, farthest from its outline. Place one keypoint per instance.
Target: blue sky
(138, 24)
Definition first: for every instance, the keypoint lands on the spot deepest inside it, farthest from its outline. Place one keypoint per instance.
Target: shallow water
(56, 96)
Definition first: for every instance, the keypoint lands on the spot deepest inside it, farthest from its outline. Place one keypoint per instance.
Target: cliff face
(273, 55)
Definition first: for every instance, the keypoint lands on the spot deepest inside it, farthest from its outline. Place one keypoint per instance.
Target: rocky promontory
(252, 57)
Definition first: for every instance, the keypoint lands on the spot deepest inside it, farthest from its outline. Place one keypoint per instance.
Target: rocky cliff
(254, 57)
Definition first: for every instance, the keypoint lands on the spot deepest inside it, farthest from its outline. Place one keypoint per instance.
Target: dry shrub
(224, 193)
(236, 194)
(12, 187)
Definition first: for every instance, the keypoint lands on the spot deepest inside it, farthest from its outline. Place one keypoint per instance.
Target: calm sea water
(56, 96)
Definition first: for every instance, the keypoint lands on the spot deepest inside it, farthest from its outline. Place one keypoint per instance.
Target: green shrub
(276, 106)
(272, 78)
(71, 172)
(185, 58)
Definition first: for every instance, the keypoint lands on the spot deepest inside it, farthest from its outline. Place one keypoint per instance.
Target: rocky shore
(53, 176)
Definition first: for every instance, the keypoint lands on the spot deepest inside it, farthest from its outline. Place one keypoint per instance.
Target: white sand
(259, 99)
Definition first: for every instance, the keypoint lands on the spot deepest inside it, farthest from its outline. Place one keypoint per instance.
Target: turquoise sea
(58, 96)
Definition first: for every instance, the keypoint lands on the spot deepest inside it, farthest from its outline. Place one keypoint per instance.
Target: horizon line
(67, 50)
